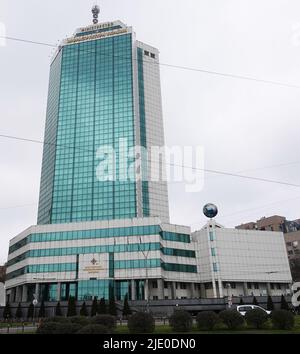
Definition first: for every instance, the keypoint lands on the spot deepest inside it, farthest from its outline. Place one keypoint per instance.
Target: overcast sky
(244, 126)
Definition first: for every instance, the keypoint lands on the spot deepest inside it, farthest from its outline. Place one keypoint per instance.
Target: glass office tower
(111, 238)
(104, 91)
(102, 237)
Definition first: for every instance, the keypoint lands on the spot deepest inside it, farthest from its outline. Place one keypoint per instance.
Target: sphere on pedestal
(210, 210)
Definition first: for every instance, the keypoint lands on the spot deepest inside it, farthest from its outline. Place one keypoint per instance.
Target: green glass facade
(49, 151)
(87, 290)
(124, 264)
(90, 105)
(101, 233)
(132, 247)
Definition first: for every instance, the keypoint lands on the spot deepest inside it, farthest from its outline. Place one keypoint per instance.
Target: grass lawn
(15, 324)
(221, 329)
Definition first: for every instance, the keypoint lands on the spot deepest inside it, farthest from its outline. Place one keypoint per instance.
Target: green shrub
(58, 310)
(7, 311)
(94, 329)
(30, 311)
(19, 312)
(112, 308)
(283, 319)
(232, 319)
(270, 304)
(56, 319)
(81, 320)
(94, 308)
(105, 320)
(102, 310)
(207, 320)
(71, 312)
(141, 322)
(42, 310)
(47, 328)
(283, 303)
(181, 321)
(126, 307)
(67, 328)
(58, 328)
(256, 318)
(83, 311)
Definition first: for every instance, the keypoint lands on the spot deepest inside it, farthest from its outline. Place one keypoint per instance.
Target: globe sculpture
(210, 210)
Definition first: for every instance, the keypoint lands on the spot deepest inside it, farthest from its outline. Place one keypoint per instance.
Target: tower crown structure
(95, 12)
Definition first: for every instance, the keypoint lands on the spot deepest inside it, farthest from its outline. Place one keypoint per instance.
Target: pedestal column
(18, 294)
(133, 289)
(173, 290)
(25, 293)
(160, 288)
(202, 291)
(37, 291)
(58, 292)
(192, 288)
(245, 287)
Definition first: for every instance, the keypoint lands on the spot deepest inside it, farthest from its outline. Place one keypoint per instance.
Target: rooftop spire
(95, 12)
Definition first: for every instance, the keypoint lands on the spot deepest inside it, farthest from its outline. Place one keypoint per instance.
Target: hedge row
(256, 318)
(180, 321)
(140, 322)
(102, 324)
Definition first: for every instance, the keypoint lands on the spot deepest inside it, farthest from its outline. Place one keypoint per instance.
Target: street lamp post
(34, 302)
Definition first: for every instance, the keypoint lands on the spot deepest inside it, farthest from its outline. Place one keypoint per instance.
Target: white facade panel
(93, 266)
(241, 256)
(158, 190)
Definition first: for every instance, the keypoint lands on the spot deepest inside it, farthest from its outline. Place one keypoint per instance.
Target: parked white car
(243, 309)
